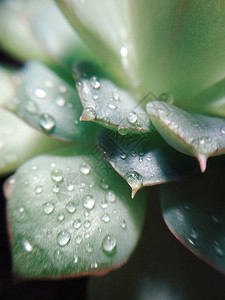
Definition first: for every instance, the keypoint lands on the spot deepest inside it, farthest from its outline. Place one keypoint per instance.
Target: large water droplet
(70, 187)
(87, 224)
(85, 168)
(134, 179)
(110, 196)
(77, 224)
(55, 189)
(109, 245)
(89, 113)
(103, 184)
(94, 265)
(71, 208)
(123, 52)
(89, 202)
(47, 122)
(105, 218)
(57, 175)
(95, 83)
(48, 208)
(132, 117)
(63, 238)
(122, 130)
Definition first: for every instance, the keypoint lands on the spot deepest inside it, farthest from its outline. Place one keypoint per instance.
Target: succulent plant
(147, 109)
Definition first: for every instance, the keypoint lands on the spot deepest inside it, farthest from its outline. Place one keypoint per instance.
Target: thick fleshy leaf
(144, 160)
(38, 30)
(211, 101)
(160, 269)
(105, 26)
(6, 84)
(180, 45)
(197, 135)
(194, 211)
(49, 104)
(108, 104)
(67, 217)
(19, 142)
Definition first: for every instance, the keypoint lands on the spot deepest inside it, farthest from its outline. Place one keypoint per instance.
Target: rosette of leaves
(112, 97)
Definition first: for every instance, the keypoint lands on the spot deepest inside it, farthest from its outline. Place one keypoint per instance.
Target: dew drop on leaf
(47, 122)
(48, 208)
(89, 202)
(110, 196)
(109, 245)
(95, 83)
(63, 238)
(57, 175)
(85, 168)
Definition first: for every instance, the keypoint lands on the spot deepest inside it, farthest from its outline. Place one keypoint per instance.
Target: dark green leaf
(194, 210)
(192, 134)
(48, 103)
(144, 160)
(160, 269)
(67, 217)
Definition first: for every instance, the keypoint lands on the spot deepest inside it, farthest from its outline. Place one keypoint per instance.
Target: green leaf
(179, 44)
(19, 142)
(6, 84)
(49, 104)
(210, 101)
(38, 30)
(194, 211)
(192, 134)
(67, 217)
(106, 29)
(144, 160)
(108, 104)
(159, 269)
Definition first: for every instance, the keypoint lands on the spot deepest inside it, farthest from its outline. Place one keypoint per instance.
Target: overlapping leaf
(48, 103)
(194, 211)
(144, 160)
(197, 135)
(38, 30)
(107, 103)
(159, 269)
(180, 45)
(67, 217)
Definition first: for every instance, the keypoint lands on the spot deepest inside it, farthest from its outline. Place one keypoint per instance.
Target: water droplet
(60, 101)
(122, 130)
(109, 245)
(75, 259)
(57, 175)
(112, 106)
(134, 179)
(110, 196)
(222, 130)
(166, 97)
(105, 218)
(58, 254)
(85, 168)
(63, 238)
(77, 224)
(89, 113)
(104, 204)
(62, 89)
(40, 93)
(193, 234)
(48, 208)
(218, 249)
(191, 242)
(123, 224)
(31, 107)
(116, 96)
(27, 246)
(78, 240)
(95, 83)
(47, 122)
(123, 52)
(94, 265)
(95, 97)
(70, 187)
(55, 189)
(123, 156)
(87, 224)
(89, 248)
(89, 202)
(38, 189)
(52, 165)
(87, 235)
(61, 217)
(103, 184)
(132, 118)
(71, 208)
